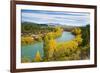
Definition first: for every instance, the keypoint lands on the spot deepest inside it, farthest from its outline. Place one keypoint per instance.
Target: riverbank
(31, 38)
(29, 51)
(67, 50)
(58, 49)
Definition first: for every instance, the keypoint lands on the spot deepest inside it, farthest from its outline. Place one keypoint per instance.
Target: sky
(56, 17)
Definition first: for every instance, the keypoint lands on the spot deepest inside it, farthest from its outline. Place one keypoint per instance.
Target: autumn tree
(37, 57)
(49, 46)
(76, 31)
(52, 46)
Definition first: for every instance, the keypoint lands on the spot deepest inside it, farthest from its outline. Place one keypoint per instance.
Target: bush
(26, 40)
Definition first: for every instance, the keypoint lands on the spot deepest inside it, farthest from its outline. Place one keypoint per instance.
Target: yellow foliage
(76, 31)
(52, 44)
(70, 47)
(26, 40)
(51, 47)
(55, 49)
(58, 31)
(37, 57)
(78, 39)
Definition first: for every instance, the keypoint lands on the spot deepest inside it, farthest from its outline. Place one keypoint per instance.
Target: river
(29, 51)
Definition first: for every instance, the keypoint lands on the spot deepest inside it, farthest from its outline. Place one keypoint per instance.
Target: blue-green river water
(30, 51)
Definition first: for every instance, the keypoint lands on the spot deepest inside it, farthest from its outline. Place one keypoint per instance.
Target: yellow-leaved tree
(37, 57)
(49, 46)
(76, 31)
(52, 47)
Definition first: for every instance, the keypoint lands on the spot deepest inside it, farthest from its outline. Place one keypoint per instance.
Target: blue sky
(58, 17)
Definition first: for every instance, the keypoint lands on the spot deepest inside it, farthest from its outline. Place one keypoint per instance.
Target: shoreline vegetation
(76, 49)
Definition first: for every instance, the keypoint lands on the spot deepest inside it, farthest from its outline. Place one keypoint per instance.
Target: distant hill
(31, 23)
(49, 24)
